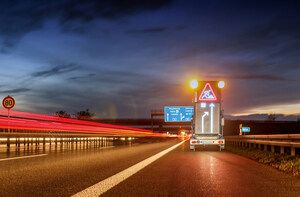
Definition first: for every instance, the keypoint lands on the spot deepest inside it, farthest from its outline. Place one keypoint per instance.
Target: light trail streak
(43, 123)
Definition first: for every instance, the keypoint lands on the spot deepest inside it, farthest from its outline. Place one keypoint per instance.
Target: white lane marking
(107, 147)
(107, 184)
(23, 157)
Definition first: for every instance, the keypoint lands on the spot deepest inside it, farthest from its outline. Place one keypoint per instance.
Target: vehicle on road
(208, 121)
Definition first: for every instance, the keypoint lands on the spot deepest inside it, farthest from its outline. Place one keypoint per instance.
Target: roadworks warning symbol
(207, 93)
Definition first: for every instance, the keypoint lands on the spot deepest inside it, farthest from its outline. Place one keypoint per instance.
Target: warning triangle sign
(207, 93)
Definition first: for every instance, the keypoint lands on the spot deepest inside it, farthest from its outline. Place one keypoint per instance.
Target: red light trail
(42, 123)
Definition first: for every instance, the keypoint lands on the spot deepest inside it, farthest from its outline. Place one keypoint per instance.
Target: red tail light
(220, 142)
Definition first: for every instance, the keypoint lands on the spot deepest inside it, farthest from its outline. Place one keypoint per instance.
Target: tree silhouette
(62, 114)
(271, 117)
(84, 115)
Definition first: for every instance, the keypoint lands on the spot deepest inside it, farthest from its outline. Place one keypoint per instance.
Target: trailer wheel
(192, 147)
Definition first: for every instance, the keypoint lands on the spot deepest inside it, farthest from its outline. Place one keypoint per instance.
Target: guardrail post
(265, 147)
(281, 149)
(259, 146)
(8, 143)
(272, 148)
(292, 151)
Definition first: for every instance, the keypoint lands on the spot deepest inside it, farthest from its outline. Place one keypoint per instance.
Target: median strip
(107, 184)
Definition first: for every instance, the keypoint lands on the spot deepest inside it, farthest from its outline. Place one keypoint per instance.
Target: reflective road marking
(107, 184)
(23, 157)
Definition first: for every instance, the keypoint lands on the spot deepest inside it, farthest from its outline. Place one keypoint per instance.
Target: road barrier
(285, 142)
(55, 138)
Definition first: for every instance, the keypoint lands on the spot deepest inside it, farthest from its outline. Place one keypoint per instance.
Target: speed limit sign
(8, 102)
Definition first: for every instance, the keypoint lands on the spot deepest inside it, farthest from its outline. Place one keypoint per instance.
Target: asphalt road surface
(179, 172)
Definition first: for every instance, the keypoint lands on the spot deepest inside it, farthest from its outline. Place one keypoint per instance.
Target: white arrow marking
(167, 116)
(205, 114)
(211, 117)
(180, 116)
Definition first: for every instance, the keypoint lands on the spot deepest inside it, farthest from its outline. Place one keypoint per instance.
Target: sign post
(8, 103)
(244, 130)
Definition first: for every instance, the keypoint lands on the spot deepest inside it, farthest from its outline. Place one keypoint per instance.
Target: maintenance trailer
(208, 121)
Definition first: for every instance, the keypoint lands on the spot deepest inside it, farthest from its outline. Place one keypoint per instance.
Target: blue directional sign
(245, 129)
(179, 114)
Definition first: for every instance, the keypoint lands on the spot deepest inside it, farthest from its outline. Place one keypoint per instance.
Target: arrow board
(207, 93)
(203, 116)
(211, 117)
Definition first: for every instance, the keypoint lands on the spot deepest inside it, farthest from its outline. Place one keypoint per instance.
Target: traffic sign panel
(245, 129)
(8, 102)
(179, 114)
(207, 93)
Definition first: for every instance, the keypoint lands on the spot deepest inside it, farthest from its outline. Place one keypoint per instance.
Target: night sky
(120, 59)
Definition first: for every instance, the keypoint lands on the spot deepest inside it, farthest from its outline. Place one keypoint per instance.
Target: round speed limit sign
(8, 102)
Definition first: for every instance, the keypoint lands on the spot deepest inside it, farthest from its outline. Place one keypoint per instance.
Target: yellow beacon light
(221, 84)
(194, 84)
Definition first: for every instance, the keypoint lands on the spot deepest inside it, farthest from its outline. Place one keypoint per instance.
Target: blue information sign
(245, 129)
(178, 114)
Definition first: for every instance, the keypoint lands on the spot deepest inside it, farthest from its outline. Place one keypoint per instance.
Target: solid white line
(23, 157)
(107, 184)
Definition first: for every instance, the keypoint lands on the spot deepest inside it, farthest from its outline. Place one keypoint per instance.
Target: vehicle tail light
(193, 142)
(220, 142)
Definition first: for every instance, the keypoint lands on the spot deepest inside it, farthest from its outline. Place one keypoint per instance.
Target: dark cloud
(253, 77)
(110, 9)
(83, 77)
(149, 30)
(20, 17)
(157, 29)
(12, 91)
(56, 70)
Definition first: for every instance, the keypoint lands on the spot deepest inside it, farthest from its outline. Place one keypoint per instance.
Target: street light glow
(221, 84)
(194, 84)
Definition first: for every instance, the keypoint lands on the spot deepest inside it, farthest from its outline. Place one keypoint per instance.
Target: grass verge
(286, 163)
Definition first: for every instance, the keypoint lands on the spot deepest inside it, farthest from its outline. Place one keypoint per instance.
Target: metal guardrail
(291, 141)
(55, 138)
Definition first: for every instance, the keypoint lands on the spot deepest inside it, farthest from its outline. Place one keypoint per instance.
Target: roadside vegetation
(81, 115)
(284, 162)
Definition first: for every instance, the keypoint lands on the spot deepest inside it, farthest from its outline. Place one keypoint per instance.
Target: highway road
(160, 168)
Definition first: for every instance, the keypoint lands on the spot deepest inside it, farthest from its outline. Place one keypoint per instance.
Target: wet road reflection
(34, 149)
